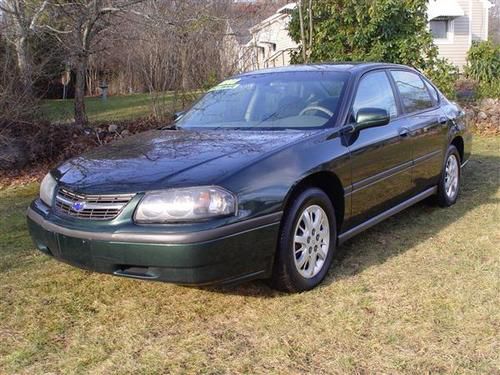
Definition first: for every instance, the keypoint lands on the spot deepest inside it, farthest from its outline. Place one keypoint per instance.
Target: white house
(249, 41)
(270, 43)
(455, 24)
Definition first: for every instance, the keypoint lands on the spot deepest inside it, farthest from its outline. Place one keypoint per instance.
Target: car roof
(353, 67)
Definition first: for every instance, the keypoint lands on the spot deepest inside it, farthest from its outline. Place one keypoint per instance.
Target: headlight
(47, 189)
(186, 204)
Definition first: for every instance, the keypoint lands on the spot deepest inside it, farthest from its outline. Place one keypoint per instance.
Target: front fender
(263, 186)
(460, 128)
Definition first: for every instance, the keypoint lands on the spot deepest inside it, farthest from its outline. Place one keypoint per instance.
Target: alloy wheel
(311, 241)
(451, 177)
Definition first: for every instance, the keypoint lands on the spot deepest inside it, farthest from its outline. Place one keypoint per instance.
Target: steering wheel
(316, 108)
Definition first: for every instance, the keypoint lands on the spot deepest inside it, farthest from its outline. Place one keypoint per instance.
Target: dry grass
(419, 293)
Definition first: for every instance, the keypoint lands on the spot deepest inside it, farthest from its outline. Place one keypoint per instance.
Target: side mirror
(371, 117)
(178, 115)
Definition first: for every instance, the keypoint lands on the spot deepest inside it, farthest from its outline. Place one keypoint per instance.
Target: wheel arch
(330, 184)
(458, 142)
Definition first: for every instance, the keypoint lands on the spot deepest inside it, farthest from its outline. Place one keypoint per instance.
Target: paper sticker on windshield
(228, 84)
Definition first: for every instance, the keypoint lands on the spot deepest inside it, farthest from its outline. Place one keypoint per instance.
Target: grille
(91, 207)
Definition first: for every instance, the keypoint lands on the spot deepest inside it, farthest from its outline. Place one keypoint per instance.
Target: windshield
(272, 100)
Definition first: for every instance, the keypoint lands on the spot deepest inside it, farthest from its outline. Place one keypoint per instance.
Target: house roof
(444, 9)
(245, 15)
(282, 12)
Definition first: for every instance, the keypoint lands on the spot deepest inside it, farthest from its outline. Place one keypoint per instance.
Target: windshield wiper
(171, 127)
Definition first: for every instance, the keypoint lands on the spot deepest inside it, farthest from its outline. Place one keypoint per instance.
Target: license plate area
(75, 250)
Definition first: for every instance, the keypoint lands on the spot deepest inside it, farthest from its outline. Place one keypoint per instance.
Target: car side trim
(384, 215)
(428, 156)
(369, 181)
(161, 238)
(357, 186)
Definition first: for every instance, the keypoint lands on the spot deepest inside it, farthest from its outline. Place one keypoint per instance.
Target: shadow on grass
(398, 234)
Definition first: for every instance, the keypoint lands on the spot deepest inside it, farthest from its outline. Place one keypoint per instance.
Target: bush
(444, 75)
(483, 66)
(22, 143)
(489, 89)
(16, 103)
(376, 30)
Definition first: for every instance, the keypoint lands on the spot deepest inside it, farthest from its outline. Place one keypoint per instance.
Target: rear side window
(433, 91)
(414, 94)
(375, 91)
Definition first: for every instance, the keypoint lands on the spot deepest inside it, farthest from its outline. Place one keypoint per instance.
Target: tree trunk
(81, 71)
(310, 14)
(302, 33)
(184, 72)
(184, 63)
(24, 64)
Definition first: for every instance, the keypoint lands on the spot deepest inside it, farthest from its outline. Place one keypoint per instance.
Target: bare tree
(139, 45)
(86, 23)
(23, 18)
(310, 27)
(302, 32)
(306, 42)
(178, 49)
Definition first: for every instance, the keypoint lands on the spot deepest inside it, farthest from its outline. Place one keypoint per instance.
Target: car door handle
(443, 120)
(403, 132)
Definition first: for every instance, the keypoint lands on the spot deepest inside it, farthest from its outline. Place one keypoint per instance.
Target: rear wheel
(449, 184)
(306, 244)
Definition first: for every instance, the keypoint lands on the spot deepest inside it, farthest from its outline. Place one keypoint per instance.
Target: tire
(303, 258)
(449, 183)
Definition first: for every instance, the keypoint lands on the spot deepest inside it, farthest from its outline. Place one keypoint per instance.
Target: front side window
(414, 94)
(270, 101)
(374, 91)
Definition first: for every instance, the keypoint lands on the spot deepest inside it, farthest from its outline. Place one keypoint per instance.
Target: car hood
(169, 158)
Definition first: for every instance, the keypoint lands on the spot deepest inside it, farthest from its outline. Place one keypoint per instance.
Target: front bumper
(222, 255)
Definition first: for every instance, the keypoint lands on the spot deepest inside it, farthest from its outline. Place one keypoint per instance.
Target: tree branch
(56, 30)
(37, 15)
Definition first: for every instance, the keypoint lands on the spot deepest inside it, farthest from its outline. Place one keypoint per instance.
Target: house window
(441, 29)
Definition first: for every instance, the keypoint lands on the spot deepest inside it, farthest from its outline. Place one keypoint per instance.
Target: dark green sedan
(261, 179)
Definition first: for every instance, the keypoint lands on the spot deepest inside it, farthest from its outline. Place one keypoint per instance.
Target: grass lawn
(419, 293)
(115, 108)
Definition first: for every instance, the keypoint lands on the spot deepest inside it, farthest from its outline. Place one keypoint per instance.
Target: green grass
(416, 294)
(115, 108)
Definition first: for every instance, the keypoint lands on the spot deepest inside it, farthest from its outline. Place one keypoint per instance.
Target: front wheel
(306, 244)
(449, 184)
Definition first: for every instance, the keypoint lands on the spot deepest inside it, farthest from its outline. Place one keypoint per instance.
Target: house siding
(271, 44)
(456, 51)
(472, 26)
(479, 20)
